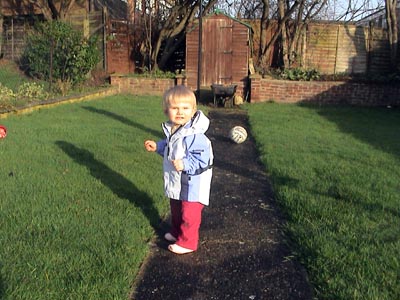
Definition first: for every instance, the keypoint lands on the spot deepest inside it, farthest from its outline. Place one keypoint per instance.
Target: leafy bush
(62, 87)
(154, 74)
(300, 74)
(6, 97)
(32, 91)
(55, 51)
(5, 93)
(27, 92)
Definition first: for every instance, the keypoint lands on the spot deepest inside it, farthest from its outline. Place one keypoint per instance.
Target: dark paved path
(242, 254)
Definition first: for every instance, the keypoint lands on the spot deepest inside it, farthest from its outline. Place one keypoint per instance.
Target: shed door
(217, 52)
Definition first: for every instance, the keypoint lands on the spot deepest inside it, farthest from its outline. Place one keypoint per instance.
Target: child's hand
(150, 146)
(178, 164)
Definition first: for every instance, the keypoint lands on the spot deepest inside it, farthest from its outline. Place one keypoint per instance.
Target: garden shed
(225, 53)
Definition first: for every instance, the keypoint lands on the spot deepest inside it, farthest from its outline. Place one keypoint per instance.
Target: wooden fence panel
(321, 48)
(379, 54)
(334, 48)
(352, 49)
(17, 28)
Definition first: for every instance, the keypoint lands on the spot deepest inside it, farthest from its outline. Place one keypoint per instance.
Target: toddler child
(187, 166)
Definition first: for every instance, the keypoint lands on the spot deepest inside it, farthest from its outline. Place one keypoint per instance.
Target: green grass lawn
(27, 91)
(18, 90)
(79, 198)
(10, 76)
(335, 172)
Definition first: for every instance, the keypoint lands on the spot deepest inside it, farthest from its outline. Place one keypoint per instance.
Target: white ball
(238, 134)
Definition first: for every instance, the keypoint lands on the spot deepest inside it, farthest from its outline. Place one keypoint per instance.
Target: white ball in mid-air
(238, 134)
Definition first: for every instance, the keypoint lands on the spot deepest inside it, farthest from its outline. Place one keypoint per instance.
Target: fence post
(105, 24)
(86, 27)
(337, 49)
(51, 64)
(370, 45)
(1, 30)
(12, 38)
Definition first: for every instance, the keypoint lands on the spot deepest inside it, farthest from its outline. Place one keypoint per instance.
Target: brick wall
(281, 91)
(323, 92)
(143, 86)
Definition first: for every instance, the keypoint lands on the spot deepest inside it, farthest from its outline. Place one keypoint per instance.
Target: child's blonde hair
(179, 93)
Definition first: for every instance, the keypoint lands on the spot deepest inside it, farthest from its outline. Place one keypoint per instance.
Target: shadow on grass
(120, 186)
(347, 196)
(124, 120)
(2, 285)
(378, 127)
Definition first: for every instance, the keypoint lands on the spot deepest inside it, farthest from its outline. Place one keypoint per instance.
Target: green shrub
(5, 93)
(32, 91)
(55, 51)
(7, 97)
(300, 74)
(27, 92)
(155, 74)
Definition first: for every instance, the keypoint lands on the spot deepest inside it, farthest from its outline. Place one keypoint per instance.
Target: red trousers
(185, 222)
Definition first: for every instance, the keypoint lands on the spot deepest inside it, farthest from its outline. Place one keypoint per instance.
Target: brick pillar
(116, 81)
(255, 88)
(180, 80)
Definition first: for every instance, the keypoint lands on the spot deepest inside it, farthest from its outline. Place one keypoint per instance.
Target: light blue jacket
(190, 144)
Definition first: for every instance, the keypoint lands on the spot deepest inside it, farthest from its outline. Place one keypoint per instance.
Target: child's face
(180, 112)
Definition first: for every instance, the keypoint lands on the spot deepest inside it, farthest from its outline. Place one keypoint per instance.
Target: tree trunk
(391, 19)
(170, 47)
(50, 11)
(283, 34)
(45, 8)
(296, 30)
(131, 5)
(1, 29)
(65, 8)
(304, 15)
(266, 49)
(264, 24)
(172, 28)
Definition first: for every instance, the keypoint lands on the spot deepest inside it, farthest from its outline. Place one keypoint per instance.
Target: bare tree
(245, 9)
(291, 18)
(54, 10)
(306, 12)
(177, 21)
(168, 25)
(285, 12)
(265, 49)
(357, 9)
(391, 19)
(354, 9)
(1, 28)
(283, 34)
